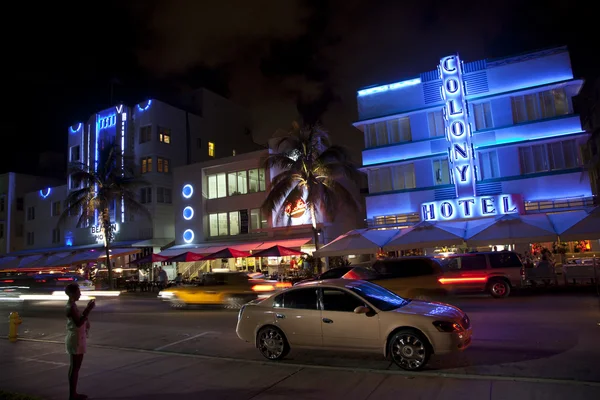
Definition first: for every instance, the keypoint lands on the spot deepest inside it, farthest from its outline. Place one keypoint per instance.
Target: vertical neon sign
(458, 130)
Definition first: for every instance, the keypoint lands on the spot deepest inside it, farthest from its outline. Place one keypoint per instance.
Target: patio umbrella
(358, 241)
(188, 256)
(277, 251)
(151, 258)
(427, 234)
(586, 228)
(512, 229)
(227, 253)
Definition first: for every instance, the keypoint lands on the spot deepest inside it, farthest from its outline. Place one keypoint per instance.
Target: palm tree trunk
(107, 230)
(313, 217)
(108, 264)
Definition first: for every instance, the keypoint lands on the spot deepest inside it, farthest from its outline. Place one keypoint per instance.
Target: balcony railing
(393, 220)
(548, 205)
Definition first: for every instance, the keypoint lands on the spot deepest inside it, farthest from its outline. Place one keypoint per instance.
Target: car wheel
(272, 344)
(409, 349)
(499, 288)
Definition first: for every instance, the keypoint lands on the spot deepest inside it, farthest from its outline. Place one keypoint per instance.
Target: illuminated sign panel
(472, 207)
(99, 235)
(458, 131)
(107, 122)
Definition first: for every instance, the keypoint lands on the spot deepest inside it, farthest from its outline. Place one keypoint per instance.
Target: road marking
(42, 361)
(422, 374)
(182, 340)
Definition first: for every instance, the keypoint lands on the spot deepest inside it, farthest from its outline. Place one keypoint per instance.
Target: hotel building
(159, 137)
(474, 139)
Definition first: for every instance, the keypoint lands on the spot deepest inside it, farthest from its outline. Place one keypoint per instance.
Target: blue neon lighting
(107, 122)
(44, 193)
(472, 207)
(392, 86)
(147, 106)
(75, 130)
(188, 236)
(188, 213)
(187, 191)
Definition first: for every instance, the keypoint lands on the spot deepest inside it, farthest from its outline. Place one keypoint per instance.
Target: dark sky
(277, 58)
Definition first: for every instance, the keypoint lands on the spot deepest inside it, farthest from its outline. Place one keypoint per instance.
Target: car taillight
(448, 281)
(281, 285)
(263, 288)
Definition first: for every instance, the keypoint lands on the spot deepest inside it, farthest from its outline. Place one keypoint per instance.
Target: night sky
(279, 58)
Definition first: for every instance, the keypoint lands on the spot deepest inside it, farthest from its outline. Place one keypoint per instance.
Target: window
(30, 239)
(483, 115)
(237, 183)
(223, 228)
(1, 231)
(219, 224)
(56, 208)
(549, 156)
(504, 259)
(258, 220)
(304, 299)
(211, 149)
(397, 177)
(162, 165)
(163, 195)
(30, 213)
(145, 134)
(466, 263)
(234, 223)
(380, 297)
(164, 135)
(256, 180)
(488, 165)
(221, 185)
(441, 172)
(56, 235)
(146, 164)
(340, 300)
(388, 132)
(540, 105)
(2, 203)
(436, 123)
(75, 153)
(20, 204)
(146, 195)
(212, 186)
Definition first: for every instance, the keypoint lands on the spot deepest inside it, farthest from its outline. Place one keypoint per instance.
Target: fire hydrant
(14, 320)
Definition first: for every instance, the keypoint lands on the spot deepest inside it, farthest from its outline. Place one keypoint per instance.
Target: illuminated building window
(441, 172)
(257, 220)
(488, 165)
(164, 195)
(75, 153)
(386, 179)
(535, 106)
(145, 134)
(256, 180)
(549, 157)
(146, 195)
(164, 135)
(436, 123)
(483, 115)
(237, 183)
(162, 165)
(146, 164)
(234, 223)
(211, 149)
(388, 132)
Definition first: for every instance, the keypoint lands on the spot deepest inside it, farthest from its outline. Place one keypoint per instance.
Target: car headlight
(448, 326)
(166, 295)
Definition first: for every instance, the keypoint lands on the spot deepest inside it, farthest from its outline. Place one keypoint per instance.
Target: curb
(337, 368)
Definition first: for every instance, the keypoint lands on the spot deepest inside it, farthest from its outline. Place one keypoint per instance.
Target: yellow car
(229, 289)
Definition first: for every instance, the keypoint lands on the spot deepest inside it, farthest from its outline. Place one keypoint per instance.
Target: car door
(507, 264)
(298, 315)
(465, 273)
(342, 327)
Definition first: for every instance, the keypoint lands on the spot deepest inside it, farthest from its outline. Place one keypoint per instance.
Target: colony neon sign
(458, 131)
(107, 122)
(472, 207)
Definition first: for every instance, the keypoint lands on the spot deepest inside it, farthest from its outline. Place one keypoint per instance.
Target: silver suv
(496, 272)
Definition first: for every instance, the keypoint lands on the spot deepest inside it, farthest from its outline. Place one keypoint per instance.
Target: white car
(353, 315)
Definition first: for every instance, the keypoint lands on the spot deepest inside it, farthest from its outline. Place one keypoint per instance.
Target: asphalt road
(551, 336)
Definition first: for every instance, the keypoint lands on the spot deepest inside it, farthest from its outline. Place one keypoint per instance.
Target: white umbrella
(512, 229)
(427, 234)
(586, 228)
(358, 241)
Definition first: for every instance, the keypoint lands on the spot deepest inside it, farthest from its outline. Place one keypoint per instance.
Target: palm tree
(312, 170)
(114, 181)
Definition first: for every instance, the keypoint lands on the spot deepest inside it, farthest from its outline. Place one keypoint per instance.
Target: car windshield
(380, 297)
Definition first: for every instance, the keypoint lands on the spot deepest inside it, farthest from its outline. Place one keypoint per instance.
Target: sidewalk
(40, 369)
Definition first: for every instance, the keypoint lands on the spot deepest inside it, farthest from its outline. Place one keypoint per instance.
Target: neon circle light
(188, 236)
(45, 192)
(187, 191)
(147, 106)
(76, 129)
(188, 213)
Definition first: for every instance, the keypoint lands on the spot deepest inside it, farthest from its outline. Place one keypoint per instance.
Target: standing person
(75, 341)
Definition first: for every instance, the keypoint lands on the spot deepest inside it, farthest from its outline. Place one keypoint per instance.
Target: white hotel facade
(474, 139)
(159, 137)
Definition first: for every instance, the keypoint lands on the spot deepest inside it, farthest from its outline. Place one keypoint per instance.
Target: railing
(392, 220)
(543, 206)
(194, 268)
